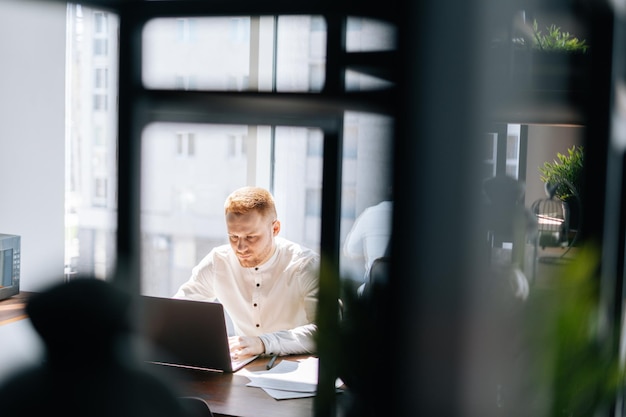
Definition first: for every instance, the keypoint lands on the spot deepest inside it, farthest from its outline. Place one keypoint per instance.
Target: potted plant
(563, 179)
(573, 361)
(555, 40)
(553, 59)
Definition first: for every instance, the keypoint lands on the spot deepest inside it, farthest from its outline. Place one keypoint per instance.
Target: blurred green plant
(554, 40)
(575, 360)
(563, 170)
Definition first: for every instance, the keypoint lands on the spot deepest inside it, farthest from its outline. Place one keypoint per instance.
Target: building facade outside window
(189, 169)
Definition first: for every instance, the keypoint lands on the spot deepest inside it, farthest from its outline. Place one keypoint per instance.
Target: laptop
(185, 333)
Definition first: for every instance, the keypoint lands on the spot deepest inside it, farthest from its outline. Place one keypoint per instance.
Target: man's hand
(242, 346)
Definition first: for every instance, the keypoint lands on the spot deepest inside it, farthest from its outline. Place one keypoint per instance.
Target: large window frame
(139, 106)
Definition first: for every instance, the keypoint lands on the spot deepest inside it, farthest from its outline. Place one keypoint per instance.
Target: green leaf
(557, 40)
(566, 168)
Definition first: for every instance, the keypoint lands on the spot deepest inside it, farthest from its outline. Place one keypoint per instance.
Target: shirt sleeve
(300, 339)
(353, 246)
(200, 284)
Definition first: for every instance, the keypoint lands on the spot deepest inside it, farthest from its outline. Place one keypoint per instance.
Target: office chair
(379, 272)
(554, 221)
(196, 407)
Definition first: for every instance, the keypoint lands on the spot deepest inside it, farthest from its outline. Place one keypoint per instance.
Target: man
(78, 321)
(369, 237)
(267, 284)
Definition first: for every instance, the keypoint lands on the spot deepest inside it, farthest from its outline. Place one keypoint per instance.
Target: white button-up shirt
(276, 301)
(370, 234)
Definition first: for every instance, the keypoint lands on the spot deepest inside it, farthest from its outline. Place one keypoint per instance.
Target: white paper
(287, 395)
(288, 379)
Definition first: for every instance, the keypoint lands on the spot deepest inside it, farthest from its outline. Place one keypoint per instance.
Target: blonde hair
(246, 199)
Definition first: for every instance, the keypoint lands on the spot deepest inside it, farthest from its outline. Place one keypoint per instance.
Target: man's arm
(353, 245)
(290, 342)
(300, 339)
(286, 342)
(199, 286)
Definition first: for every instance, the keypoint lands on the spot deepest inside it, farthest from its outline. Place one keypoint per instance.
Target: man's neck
(269, 256)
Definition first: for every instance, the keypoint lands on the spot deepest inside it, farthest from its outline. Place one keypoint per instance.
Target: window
(368, 35)
(490, 146)
(185, 144)
(236, 146)
(100, 191)
(100, 34)
(100, 47)
(188, 169)
(91, 140)
(185, 30)
(247, 53)
(365, 34)
(513, 150)
(99, 140)
(100, 102)
(239, 30)
(185, 82)
(100, 23)
(315, 145)
(101, 78)
(313, 202)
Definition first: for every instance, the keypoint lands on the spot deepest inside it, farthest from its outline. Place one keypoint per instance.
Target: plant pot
(550, 71)
(575, 215)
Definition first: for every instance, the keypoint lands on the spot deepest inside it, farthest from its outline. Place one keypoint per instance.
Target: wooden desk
(12, 308)
(228, 395)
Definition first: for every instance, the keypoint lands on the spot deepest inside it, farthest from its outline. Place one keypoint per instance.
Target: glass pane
(200, 53)
(301, 56)
(298, 183)
(358, 81)
(364, 34)
(235, 53)
(366, 192)
(91, 142)
(183, 193)
(368, 35)
(6, 268)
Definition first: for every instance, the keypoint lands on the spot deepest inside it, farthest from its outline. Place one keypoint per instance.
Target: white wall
(544, 142)
(32, 144)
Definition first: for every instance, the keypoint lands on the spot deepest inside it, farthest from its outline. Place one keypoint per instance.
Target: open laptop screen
(186, 333)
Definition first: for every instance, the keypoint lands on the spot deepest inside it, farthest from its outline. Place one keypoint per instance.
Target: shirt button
(258, 285)
(258, 325)
(255, 304)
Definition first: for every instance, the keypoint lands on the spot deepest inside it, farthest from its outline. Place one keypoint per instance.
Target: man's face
(252, 237)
